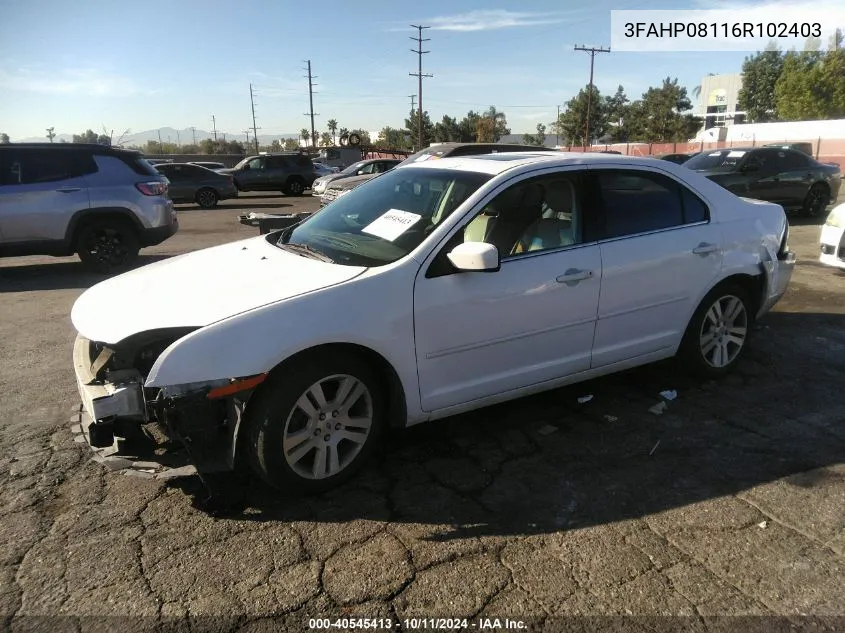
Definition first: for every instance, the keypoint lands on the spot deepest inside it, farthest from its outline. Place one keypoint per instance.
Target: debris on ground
(763, 525)
(584, 399)
(654, 449)
(547, 429)
(611, 418)
(659, 408)
(669, 394)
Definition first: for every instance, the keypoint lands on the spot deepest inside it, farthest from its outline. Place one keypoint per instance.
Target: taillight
(153, 188)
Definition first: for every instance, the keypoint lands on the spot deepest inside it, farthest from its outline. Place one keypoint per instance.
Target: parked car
(678, 159)
(291, 173)
(208, 165)
(833, 238)
(438, 287)
(785, 176)
(158, 161)
(371, 166)
(192, 183)
(102, 203)
(440, 150)
(323, 170)
(806, 148)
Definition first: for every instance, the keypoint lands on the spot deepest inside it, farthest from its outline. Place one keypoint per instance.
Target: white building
(720, 101)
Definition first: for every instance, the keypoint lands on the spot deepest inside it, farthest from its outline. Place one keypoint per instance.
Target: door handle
(69, 189)
(573, 276)
(705, 249)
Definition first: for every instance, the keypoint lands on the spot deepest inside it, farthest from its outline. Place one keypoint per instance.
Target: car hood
(351, 182)
(200, 288)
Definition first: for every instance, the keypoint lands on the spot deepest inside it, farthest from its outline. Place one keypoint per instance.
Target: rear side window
(303, 162)
(33, 167)
(795, 161)
(638, 202)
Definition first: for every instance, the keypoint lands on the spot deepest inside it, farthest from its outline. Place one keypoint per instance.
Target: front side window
(639, 201)
(255, 163)
(386, 218)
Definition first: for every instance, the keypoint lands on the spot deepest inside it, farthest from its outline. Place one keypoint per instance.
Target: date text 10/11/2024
(416, 624)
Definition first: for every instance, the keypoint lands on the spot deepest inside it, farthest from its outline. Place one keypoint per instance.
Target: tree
(189, 149)
(412, 125)
(305, 135)
(343, 132)
(538, 139)
(51, 134)
(573, 120)
(392, 138)
(615, 110)
(499, 126)
(4, 138)
(290, 144)
(332, 124)
(363, 135)
(811, 86)
(208, 146)
(760, 74)
(447, 130)
(90, 136)
(326, 139)
(660, 115)
(467, 127)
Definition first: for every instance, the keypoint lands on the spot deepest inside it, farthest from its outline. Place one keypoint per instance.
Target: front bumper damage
(145, 431)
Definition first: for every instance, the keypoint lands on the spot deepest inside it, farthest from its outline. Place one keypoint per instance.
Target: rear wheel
(294, 187)
(107, 246)
(207, 198)
(816, 200)
(717, 334)
(314, 426)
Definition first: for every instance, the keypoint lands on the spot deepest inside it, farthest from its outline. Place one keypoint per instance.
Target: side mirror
(246, 167)
(475, 257)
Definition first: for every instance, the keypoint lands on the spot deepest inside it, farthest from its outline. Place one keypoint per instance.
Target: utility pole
(254, 129)
(311, 85)
(51, 134)
(178, 140)
(194, 132)
(557, 128)
(419, 75)
(160, 145)
(413, 100)
(247, 138)
(592, 51)
(214, 127)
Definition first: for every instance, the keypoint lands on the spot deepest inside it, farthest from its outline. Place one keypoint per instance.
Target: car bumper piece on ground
(833, 246)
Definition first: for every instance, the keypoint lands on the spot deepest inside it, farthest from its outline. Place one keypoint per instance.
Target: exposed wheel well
(397, 409)
(78, 222)
(754, 285)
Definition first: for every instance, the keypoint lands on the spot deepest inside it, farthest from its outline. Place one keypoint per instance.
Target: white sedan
(833, 238)
(437, 288)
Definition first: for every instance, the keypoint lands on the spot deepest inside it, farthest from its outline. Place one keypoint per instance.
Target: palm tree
(333, 129)
(305, 134)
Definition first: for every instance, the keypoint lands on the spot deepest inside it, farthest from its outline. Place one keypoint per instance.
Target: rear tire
(294, 187)
(313, 426)
(718, 333)
(816, 201)
(207, 198)
(107, 246)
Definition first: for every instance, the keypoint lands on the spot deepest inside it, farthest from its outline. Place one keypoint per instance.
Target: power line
(311, 85)
(419, 75)
(592, 51)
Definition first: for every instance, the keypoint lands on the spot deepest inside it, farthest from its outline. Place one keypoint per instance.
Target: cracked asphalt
(726, 512)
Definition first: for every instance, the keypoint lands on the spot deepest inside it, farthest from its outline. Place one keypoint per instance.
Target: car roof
(495, 164)
(63, 147)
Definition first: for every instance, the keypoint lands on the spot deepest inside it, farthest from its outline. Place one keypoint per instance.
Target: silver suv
(100, 202)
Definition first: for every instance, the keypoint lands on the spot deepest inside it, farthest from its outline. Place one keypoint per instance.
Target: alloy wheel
(328, 427)
(107, 246)
(723, 331)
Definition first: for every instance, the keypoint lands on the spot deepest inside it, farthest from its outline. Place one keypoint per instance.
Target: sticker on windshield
(715, 154)
(736, 154)
(391, 224)
(422, 158)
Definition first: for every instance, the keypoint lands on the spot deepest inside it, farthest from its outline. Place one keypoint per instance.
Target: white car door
(479, 334)
(660, 253)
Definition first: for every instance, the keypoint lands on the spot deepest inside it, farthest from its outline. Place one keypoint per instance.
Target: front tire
(107, 247)
(816, 201)
(312, 427)
(717, 335)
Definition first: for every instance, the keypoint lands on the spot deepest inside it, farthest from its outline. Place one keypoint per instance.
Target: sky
(159, 63)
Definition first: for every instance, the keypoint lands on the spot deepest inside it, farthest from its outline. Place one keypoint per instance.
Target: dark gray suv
(291, 173)
(100, 202)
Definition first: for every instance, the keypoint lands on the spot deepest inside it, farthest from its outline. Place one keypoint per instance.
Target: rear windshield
(139, 164)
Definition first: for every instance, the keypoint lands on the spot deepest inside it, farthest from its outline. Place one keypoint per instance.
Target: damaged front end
(161, 431)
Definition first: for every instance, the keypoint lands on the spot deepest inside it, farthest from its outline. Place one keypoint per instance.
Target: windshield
(386, 218)
(718, 159)
(353, 168)
(243, 162)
